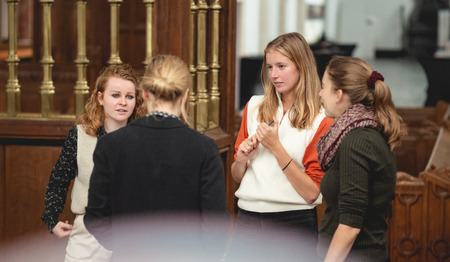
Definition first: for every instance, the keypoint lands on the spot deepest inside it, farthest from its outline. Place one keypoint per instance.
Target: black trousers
(277, 236)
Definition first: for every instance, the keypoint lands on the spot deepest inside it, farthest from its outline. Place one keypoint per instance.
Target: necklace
(284, 113)
(162, 114)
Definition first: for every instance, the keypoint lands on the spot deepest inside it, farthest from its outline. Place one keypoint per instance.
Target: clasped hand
(265, 134)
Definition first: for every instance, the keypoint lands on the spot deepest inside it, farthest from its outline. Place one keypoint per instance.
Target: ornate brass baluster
(47, 87)
(81, 88)
(12, 86)
(215, 67)
(202, 67)
(193, 69)
(114, 59)
(149, 31)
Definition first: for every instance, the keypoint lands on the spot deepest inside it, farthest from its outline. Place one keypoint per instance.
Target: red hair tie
(373, 78)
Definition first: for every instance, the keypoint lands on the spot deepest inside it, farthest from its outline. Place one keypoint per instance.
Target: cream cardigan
(85, 149)
(264, 187)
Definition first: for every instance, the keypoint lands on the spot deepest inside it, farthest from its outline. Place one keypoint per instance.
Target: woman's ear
(145, 94)
(342, 97)
(186, 95)
(183, 99)
(100, 97)
(339, 94)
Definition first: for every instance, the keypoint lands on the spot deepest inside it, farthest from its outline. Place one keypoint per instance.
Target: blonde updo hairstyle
(167, 78)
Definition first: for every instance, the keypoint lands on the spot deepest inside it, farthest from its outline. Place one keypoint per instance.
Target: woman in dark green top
(357, 155)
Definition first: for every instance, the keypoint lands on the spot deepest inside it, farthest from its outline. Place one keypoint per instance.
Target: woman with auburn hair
(276, 160)
(113, 103)
(357, 155)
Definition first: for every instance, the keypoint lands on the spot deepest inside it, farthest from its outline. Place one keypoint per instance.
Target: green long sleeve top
(358, 189)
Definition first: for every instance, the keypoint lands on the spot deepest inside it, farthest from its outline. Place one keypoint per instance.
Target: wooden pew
(419, 227)
(423, 125)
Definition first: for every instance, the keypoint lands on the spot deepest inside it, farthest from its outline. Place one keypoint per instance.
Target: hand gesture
(268, 135)
(247, 149)
(62, 229)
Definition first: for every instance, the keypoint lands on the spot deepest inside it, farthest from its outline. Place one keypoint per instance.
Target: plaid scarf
(355, 116)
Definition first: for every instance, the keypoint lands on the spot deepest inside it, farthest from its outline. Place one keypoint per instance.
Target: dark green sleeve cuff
(351, 220)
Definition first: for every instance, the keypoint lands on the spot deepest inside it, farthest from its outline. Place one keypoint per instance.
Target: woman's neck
(111, 126)
(287, 102)
(167, 107)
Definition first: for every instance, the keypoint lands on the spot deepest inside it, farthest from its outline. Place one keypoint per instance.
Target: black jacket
(154, 166)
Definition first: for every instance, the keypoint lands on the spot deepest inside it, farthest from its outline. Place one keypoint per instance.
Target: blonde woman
(276, 160)
(156, 165)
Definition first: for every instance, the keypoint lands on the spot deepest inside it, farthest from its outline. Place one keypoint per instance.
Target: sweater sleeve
(310, 161)
(243, 132)
(59, 182)
(354, 158)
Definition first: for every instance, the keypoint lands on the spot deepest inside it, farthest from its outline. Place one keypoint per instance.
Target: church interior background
(47, 68)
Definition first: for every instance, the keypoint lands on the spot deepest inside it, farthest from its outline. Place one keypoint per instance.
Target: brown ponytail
(363, 85)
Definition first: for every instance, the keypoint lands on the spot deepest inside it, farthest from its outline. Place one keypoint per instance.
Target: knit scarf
(355, 116)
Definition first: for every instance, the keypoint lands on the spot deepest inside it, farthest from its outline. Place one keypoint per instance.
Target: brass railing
(204, 98)
(115, 15)
(81, 88)
(213, 115)
(47, 87)
(12, 86)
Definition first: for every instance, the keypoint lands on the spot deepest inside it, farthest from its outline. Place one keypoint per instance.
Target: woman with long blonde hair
(276, 160)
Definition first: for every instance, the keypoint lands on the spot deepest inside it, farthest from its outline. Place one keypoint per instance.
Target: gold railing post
(47, 87)
(192, 68)
(202, 67)
(214, 111)
(12, 86)
(148, 31)
(115, 16)
(81, 89)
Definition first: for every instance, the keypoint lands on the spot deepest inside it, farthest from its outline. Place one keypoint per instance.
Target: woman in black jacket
(157, 165)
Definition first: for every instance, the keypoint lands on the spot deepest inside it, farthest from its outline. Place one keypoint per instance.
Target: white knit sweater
(264, 187)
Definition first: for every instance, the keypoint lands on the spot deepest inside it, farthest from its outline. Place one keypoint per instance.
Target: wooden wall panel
(98, 38)
(132, 33)
(2, 191)
(172, 30)
(423, 127)
(28, 152)
(227, 75)
(405, 229)
(27, 172)
(414, 152)
(437, 215)
(419, 227)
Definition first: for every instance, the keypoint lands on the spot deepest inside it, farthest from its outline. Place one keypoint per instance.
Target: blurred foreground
(175, 238)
